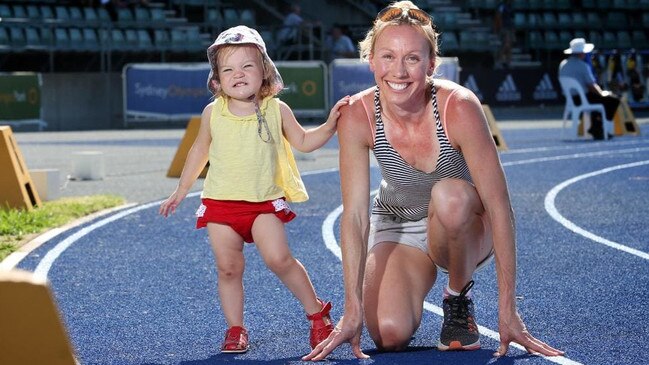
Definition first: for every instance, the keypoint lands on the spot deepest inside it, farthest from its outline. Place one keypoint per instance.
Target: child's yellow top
(242, 165)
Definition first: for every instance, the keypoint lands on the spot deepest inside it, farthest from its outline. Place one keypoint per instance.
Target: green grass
(17, 225)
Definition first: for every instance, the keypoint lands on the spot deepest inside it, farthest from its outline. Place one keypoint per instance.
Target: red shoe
(236, 340)
(321, 325)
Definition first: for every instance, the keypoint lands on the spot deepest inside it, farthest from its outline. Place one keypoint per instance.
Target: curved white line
(554, 213)
(45, 264)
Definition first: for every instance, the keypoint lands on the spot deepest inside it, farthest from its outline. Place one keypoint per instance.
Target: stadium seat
(4, 38)
(520, 5)
(247, 17)
(552, 40)
(90, 39)
(62, 39)
(549, 20)
(32, 12)
(17, 37)
(157, 15)
(214, 17)
(564, 5)
(609, 40)
(75, 14)
(579, 21)
(103, 15)
(47, 39)
(564, 38)
(125, 16)
(32, 38)
(161, 39)
(595, 38)
(565, 21)
(130, 37)
(76, 39)
(19, 11)
(549, 4)
(534, 21)
(144, 39)
(62, 13)
(5, 11)
(230, 17)
(449, 42)
(588, 4)
(46, 12)
(90, 15)
(616, 20)
(624, 39)
(593, 20)
(639, 39)
(142, 15)
(520, 20)
(535, 40)
(572, 111)
(177, 39)
(117, 40)
(603, 4)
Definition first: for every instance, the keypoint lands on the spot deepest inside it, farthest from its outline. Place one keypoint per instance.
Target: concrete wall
(82, 101)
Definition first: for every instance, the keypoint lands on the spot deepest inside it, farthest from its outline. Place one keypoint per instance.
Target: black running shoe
(459, 330)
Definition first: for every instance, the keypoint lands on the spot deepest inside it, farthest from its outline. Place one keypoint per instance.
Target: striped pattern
(405, 190)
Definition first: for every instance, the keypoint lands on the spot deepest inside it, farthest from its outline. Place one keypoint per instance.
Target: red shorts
(240, 215)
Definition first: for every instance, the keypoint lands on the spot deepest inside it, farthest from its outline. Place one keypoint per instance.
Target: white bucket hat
(579, 45)
(243, 35)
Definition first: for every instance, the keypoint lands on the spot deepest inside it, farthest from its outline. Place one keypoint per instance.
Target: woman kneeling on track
(245, 135)
(443, 202)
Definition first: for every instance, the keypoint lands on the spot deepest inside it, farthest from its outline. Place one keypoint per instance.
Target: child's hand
(334, 113)
(169, 206)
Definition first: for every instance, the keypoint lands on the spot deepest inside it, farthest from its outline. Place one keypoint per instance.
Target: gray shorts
(390, 228)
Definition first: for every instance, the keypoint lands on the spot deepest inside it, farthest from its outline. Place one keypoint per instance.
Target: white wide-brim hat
(579, 45)
(243, 35)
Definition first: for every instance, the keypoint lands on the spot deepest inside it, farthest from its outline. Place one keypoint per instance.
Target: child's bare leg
(270, 237)
(227, 246)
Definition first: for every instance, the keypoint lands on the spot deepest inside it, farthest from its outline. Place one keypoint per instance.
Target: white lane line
(332, 245)
(46, 263)
(575, 147)
(551, 208)
(576, 155)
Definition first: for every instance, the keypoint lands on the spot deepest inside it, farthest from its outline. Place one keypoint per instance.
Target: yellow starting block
(177, 164)
(32, 331)
(624, 120)
(495, 131)
(16, 187)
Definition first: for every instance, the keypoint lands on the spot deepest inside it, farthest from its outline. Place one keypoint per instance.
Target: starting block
(177, 164)
(624, 120)
(16, 186)
(32, 331)
(493, 126)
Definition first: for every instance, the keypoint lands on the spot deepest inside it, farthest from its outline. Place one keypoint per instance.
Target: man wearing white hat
(576, 67)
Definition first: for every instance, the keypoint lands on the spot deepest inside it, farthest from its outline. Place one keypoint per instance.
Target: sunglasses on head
(391, 13)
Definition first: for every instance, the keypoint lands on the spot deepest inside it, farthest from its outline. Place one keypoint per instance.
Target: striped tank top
(405, 190)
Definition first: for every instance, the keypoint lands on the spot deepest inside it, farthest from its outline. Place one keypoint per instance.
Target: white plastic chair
(568, 84)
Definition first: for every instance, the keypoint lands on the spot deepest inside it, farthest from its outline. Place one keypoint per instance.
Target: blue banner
(165, 91)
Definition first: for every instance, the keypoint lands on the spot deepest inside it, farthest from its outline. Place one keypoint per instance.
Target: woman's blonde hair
(426, 28)
(270, 86)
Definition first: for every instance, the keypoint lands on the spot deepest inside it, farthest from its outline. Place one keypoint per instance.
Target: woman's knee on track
(454, 204)
(391, 335)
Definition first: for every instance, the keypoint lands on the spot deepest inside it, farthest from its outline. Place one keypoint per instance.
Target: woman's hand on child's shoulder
(335, 110)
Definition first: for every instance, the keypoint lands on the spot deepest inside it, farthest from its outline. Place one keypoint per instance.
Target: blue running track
(135, 288)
